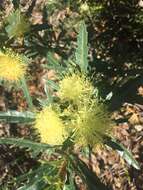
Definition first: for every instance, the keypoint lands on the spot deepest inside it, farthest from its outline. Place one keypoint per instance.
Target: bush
(65, 120)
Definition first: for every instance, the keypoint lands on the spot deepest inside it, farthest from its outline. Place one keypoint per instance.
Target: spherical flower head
(93, 122)
(84, 8)
(75, 88)
(12, 66)
(18, 24)
(50, 127)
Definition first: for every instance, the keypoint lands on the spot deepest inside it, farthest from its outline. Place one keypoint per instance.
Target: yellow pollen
(92, 123)
(50, 127)
(12, 68)
(74, 87)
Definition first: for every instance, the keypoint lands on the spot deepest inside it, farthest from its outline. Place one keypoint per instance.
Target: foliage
(116, 44)
(82, 50)
(84, 118)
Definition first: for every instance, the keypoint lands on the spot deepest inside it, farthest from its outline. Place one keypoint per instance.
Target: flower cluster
(81, 114)
(89, 119)
(78, 108)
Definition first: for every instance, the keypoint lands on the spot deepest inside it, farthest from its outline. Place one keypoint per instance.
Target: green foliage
(17, 117)
(59, 171)
(54, 64)
(123, 152)
(115, 35)
(23, 143)
(82, 49)
(35, 148)
(26, 93)
(52, 5)
(47, 174)
(40, 178)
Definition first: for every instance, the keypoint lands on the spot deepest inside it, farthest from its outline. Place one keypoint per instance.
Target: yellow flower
(17, 24)
(84, 8)
(12, 66)
(75, 88)
(50, 127)
(92, 123)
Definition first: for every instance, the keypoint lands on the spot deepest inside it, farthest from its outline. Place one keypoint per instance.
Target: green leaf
(42, 170)
(82, 48)
(36, 177)
(17, 117)
(49, 97)
(36, 185)
(85, 151)
(53, 63)
(26, 93)
(124, 153)
(24, 143)
(52, 60)
(48, 92)
(53, 85)
(43, 176)
(69, 187)
(71, 182)
(90, 178)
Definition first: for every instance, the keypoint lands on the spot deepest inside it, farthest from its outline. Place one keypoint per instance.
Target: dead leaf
(134, 119)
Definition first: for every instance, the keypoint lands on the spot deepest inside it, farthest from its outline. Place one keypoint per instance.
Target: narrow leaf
(17, 117)
(51, 59)
(40, 171)
(69, 187)
(53, 84)
(124, 153)
(36, 185)
(38, 178)
(82, 49)
(90, 178)
(26, 93)
(24, 143)
(53, 63)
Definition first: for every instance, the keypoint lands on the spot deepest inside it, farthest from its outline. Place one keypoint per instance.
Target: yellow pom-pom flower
(50, 127)
(89, 119)
(75, 88)
(12, 66)
(18, 24)
(92, 123)
(84, 8)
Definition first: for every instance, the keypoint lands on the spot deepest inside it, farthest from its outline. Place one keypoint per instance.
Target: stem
(26, 93)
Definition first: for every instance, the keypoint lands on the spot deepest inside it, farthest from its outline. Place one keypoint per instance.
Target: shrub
(64, 121)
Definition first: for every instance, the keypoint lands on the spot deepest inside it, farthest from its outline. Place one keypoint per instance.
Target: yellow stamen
(12, 67)
(74, 87)
(50, 127)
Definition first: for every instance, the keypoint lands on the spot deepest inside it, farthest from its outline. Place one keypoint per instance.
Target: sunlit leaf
(26, 93)
(124, 153)
(17, 117)
(82, 49)
(24, 143)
